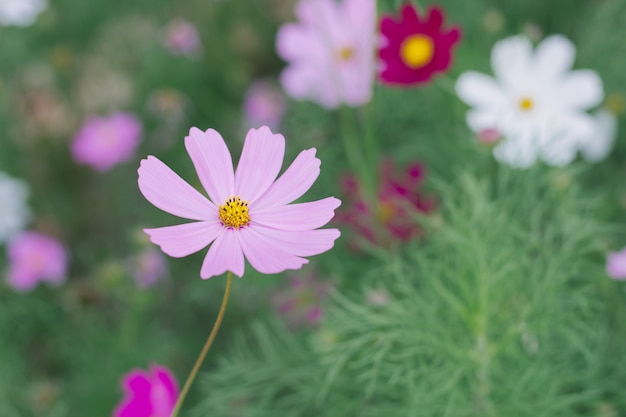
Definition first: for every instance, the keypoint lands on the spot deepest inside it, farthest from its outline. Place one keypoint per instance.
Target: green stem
(205, 349)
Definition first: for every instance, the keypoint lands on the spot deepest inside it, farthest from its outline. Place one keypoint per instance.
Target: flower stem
(205, 349)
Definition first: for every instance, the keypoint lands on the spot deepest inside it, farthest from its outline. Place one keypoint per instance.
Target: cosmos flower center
(234, 212)
(526, 104)
(417, 51)
(345, 53)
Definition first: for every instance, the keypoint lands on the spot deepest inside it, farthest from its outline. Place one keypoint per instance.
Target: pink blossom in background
(148, 268)
(148, 394)
(616, 264)
(182, 38)
(264, 105)
(300, 301)
(33, 258)
(330, 52)
(248, 211)
(390, 217)
(103, 142)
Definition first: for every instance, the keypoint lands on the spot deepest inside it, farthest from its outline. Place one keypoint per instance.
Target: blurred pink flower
(264, 105)
(148, 394)
(181, 37)
(330, 52)
(148, 267)
(103, 142)
(33, 258)
(390, 217)
(248, 212)
(616, 264)
(300, 302)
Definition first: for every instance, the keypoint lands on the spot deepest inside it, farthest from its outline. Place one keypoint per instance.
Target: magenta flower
(330, 52)
(300, 302)
(103, 142)
(390, 217)
(415, 49)
(148, 394)
(33, 258)
(264, 105)
(148, 267)
(248, 211)
(181, 38)
(616, 264)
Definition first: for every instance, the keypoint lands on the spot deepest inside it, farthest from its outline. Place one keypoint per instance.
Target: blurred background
(497, 305)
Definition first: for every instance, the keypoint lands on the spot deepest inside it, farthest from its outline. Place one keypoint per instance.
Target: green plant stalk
(205, 348)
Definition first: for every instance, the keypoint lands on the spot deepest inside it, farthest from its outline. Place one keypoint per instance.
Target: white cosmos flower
(14, 213)
(21, 12)
(598, 146)
(535, 101)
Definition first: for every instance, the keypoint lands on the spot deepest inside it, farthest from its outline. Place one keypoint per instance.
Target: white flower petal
(580, 89)
(479, 90)
(597, 146)
(554, 56)
(511, 59)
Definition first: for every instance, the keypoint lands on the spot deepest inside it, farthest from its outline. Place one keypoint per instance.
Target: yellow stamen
(234, 213)
(345, 54)
(526, 104)
(417, 51)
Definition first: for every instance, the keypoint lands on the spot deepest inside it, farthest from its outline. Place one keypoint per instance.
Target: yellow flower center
(526, 104)
(345, 54)
(234, 213)
(417, 51)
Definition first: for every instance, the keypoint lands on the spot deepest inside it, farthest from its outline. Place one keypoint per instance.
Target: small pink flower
(489, 136)
(264, 105)
(33, 258)
(148, 394)
(416, 48)
(148, 267)
(390, 217)
(616, 265)
(248, 213)
(300, 302)
(330, 52)
(181, 37)
(103, 142)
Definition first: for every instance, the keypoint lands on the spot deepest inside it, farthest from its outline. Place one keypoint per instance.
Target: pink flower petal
(137, 402)
(166, 190)
(294, 182)
(185, 239)
(294, 217)
(164, 391)
(260, 163)
(302, 243)
(224, 255)
(264, 254)
(213, 163)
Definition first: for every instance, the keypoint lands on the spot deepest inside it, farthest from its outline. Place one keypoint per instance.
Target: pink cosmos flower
(103, 142)
(616, 264)
(248, 211)
(148, 267)
(390, 217)
(415, 49)
(181, 38)
(33, 258)
(330, 52)
(264, 105)
(300, 303)
(148, 394)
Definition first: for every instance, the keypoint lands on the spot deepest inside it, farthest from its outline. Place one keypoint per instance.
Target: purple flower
(34, 257)
(148, 394)
(264, 105)
(103, 142)
(148, 267)
(181, 38)
(616, 264)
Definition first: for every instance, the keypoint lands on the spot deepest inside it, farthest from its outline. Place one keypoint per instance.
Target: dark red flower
(415, 49)
(390, 217)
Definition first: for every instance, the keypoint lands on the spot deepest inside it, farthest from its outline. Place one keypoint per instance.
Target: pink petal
(294, 182)
(303, 243)
(260, 163)
(224, 255)
(266, 255)
(137, 400)
(304, 216)
(213, 163)
(166, 190)
(185, 239)
(164, 391)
